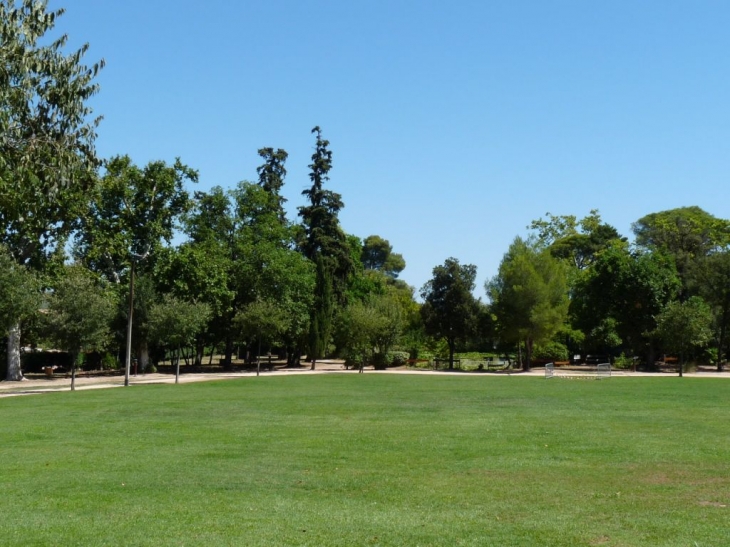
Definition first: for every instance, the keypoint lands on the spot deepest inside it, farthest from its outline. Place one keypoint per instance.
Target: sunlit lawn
(370, 460)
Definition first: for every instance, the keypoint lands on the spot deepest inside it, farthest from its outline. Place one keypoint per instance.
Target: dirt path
(37, 385)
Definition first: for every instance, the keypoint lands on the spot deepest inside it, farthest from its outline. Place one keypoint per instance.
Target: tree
(264, 321)
(132, 213)
(576, 241)
(686, 234)
(80, 310)
(529, 295)
(20, 300)
(377, 254)
(323, 242)
(629, 287)
(372, 327)
(47, 156)
(684, 325)
(174, 323)
(709, 278)
(271, 176)
(450, 310)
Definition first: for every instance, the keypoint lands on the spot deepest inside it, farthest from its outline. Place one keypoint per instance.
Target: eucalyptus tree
(133, 211)
(323, 242)
(449, 309)
(47, 155)
(529, 295)
(79, 315)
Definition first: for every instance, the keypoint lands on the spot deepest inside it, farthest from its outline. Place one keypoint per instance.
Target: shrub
(551, 351)
(623, 362)
(397, 358)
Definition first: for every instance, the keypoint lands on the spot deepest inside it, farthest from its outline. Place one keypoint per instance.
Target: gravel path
(37, 385)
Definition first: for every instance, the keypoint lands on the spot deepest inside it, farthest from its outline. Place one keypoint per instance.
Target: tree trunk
(227, 358)
(199, 350)
(681, 364)
(528, 355)
(258, 358)
(720, 348)
(128, 358)
(74, 358)
(177, 366)
(144, 355)
(15, 373)
(451, 344)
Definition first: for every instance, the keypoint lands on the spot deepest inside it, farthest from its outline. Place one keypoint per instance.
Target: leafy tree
(450, 310)
(709, 277)
(132, 213)
(175, 323)
(20, 299)
(47, 156)
(529, 295)
(577, 241)
(684, 325)
(377, 254)
(373, 327)
(324, 243)
(262, 320)
(624, 291)
(686, 234)
(80, 310)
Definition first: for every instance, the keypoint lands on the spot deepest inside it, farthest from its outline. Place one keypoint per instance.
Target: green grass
(370, 460)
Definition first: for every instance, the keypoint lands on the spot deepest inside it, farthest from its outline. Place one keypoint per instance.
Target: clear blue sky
(452, 124)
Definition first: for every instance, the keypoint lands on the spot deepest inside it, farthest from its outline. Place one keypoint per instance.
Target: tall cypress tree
(323, 242)
(271, 175)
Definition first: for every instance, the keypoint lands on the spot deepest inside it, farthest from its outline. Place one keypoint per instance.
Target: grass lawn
(335, 460)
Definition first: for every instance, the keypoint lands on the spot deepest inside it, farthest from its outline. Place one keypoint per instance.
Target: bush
(623, 362)
(397, 358)
(550, 351)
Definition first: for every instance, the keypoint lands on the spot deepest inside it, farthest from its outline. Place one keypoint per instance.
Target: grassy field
(370, 460)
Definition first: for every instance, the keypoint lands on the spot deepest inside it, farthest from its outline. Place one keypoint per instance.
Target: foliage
(132, 212)
(174, 322)
(620, 296)
(709, 277)
(685, 325)
(551, 350)
(377, 254)
(529, 295)
(686, 234)
(323, 242)
(450, 310)
(80, 311)
(372, 328)
(47, 157)
(20, 296)
(575, 241)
